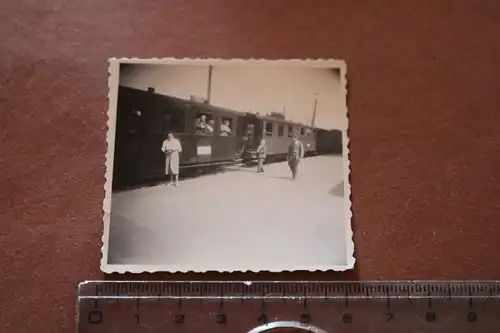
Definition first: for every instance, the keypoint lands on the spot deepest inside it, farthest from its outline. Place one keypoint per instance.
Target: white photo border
(113, 84)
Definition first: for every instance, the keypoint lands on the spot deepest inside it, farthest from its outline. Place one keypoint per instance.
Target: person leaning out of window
(225, 128)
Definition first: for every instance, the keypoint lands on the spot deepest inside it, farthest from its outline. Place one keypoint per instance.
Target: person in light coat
(172, 148)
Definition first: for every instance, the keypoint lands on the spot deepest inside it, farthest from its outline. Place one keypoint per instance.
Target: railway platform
(265, 214)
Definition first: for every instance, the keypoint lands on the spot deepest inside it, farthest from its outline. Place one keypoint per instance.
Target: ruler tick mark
(97, 294)
(346, 298)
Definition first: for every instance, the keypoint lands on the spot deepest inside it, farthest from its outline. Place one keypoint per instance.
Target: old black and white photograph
(227, 165)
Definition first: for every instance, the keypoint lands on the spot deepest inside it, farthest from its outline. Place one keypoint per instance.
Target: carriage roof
(210, 107)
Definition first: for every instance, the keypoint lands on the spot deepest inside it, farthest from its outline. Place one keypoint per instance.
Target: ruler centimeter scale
(315, 306)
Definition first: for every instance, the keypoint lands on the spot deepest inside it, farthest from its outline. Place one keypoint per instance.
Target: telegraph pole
(209, 86)
(313, 120)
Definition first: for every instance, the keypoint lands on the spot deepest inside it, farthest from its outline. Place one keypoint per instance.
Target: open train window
(173, 121)
(269, 129)
(133, 121)
(204, 124)
(290, 131)
(226, 126)
(281, 130)
(302, 131)
(249, 131)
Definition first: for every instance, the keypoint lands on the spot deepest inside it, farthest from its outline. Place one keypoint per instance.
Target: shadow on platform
(242, 169)
(128, 240)
(250, 169)
(337, 190)
(282, 177)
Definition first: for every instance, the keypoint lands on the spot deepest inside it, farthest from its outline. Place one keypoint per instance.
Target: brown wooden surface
(424, 79)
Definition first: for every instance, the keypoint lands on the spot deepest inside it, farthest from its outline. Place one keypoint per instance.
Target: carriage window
(290, 131)
(249, 132)
(269, 129)
(302, 131)
(226, 127)
(134, 121)
(308, 131)
(204, 123)
(173, 121)
(281, 130)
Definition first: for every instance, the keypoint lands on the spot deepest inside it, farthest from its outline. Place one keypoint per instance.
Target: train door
(225, 138)
(138, 137)
(173, 116)
(129, 137)
(249, 132)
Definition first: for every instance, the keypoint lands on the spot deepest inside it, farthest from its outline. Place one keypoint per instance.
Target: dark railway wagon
(328, 142)
(144, 119)
(278, 134)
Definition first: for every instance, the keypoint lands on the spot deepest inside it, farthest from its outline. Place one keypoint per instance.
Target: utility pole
(313, 120)
(209, 86)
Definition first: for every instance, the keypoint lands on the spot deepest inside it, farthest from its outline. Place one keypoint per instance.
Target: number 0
(95, 317)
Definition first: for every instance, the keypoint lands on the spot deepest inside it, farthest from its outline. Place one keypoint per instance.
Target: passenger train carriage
(144, 118)
(278, 133)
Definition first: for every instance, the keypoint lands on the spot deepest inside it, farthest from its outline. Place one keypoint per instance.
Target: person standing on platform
(172, 148)
(261, 155)
(295, 155)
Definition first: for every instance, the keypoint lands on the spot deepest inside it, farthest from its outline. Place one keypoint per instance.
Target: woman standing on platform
(172, 148)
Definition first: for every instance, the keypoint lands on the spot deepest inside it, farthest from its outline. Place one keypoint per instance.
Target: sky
(258, 88)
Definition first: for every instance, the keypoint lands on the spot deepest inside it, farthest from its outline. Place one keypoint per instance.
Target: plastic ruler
(315, 306)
